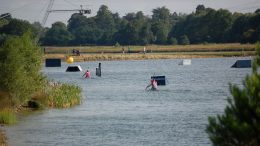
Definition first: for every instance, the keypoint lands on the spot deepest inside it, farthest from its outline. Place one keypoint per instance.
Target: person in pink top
(87, 74)
(153, 84)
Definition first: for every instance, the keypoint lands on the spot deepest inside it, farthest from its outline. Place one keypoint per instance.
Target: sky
(34, 10)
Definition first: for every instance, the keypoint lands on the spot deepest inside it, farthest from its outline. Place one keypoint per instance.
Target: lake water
(117, 111)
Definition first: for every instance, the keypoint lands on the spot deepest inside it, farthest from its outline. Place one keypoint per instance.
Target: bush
(20, 61)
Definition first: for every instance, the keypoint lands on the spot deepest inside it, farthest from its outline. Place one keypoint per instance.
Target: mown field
(89, 53)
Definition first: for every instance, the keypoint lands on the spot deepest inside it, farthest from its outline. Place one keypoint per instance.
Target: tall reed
(63, 95)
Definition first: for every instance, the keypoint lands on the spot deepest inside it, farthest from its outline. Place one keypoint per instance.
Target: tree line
(204, 25)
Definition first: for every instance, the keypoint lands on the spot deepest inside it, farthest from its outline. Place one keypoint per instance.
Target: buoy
(70, 60)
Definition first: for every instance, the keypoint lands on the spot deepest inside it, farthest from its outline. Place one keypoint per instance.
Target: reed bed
(63, 96)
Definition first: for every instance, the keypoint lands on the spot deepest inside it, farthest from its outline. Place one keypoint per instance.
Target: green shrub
(20, 59)
(7, 117)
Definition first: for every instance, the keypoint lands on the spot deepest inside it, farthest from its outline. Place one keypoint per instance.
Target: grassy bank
(154, 48)
(23, 87)
(139, 56)
(93, 53)
(54, 95)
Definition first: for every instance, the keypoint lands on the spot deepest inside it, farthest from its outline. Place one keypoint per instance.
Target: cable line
(70, 3)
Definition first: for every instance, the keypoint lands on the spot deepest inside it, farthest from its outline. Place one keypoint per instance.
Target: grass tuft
(7, 116)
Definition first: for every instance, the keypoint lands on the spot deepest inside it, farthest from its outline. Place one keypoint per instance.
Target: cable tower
(49, 10)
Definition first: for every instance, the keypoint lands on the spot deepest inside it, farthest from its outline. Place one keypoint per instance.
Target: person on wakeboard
(153, 85)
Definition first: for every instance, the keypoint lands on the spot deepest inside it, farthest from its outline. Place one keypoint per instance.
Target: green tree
(240, 123)
(200, 9)
(173, 41)
(198, 26)
(76, 20)
(117, 21)
(161, 24)
(184, 40)
(240, 25)
(135, 30)
(106, 24)
(257, 11)
(20, 61)
(84, 30)
(204, 25)
(37, 30)
(145, 34)
(5, 18)
(57, 35)
(255, 25)
(221, 22)
(16, 27)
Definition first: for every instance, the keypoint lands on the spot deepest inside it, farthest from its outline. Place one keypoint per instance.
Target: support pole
(98, 70)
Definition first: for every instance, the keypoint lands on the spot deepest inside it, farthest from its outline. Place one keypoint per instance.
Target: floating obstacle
(52, 62)
(75, 68)
(70, 60)
(185, 62)
(161, 80)
(242, 64)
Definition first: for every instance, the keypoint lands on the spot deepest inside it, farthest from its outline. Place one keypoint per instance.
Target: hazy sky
(34, 10)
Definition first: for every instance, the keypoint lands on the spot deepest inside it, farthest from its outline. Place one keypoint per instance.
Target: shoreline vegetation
(2, 139)
(106, 53)
(24, 88)
(54, 95)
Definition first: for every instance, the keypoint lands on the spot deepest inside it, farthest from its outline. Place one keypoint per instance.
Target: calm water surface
(117, 111)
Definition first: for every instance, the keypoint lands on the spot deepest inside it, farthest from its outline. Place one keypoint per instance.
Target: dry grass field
(92, 53)
(154, 48)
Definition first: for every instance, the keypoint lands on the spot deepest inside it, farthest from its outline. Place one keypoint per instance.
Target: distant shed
(51, 62)
(242, 64)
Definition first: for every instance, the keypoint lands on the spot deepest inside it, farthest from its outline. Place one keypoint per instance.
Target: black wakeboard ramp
(242, 64)
(161, 80)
